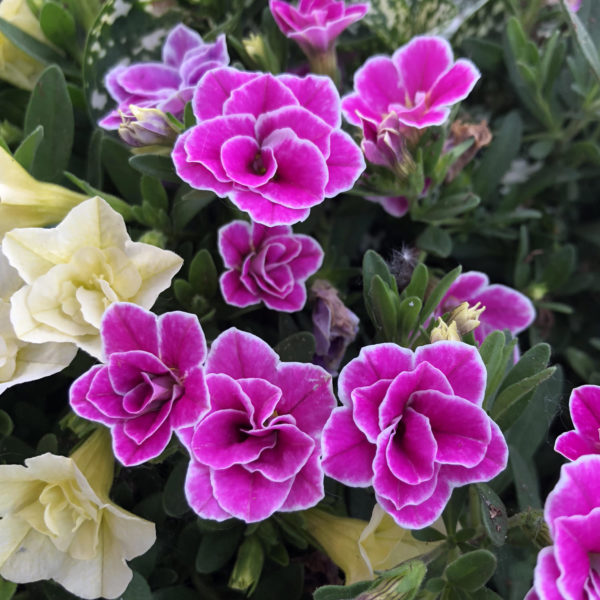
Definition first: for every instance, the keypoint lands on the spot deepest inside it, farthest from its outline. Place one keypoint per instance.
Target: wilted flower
(443, 331)
(257, 450)
(272, 144)
(465, 317)
(58, 523)
(335, 326)
(26, 202)
(167, 85)
(459, 133)
(74, 271)
(419, 83)
(151, 384)
(147, 127)
(412, 426)
(267, 264)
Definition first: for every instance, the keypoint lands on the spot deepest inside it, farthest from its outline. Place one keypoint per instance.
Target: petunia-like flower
(166, 85)
(267, 264)
(412, 426)
(569, 569)
(315, 24)
(272, 144)
(74, 271)
(58, 522)
(505, 308)
(151, 384)
(258, 448)
(26, 202)
(20, 361)
(584, 406)
(419, 83)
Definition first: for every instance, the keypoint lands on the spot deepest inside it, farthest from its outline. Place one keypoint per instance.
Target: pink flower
(412, 426)
(419, 83)
(152, 382)
(584, 406)
(505, 308)
(267, 264)
(397, 206)
(257, 450)
(166, 85)
(570, 569)
(316, 24)
(273, 145)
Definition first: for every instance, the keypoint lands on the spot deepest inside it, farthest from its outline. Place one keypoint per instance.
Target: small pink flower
(258, 448)
(267, 264)
(152, 382)
(419, 84)
(584, 406)
(412, 426)
(316, 24)
(505, 308)
(574, 5)
(570, 569)
(273, 145)
(166, 85)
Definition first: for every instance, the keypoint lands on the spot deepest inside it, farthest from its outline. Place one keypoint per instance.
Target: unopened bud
(148, 127)
(466, 317)
(444, 332)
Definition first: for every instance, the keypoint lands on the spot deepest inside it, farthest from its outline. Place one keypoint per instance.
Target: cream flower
(58, 523)
(16, 66)
(76, 270)
(20, 361)
(27, 202)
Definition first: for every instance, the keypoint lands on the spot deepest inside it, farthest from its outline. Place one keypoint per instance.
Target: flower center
(258, 165)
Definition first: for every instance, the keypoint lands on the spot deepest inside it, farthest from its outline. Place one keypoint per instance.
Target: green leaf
(454, 508)
(446, 207)
(428, 534)
(50, 106)
(189, 118)
(94, 159)
(298, 347)
(188, 206)
(248, 566)
(115, 159)
(526, 484)
(154, 165)
(436, 241)
(138, 589)
(438, 293)
(418, 282)
(583, 38)
(27, 149)
(533, 361)
(408, 315)
(154, 193)
(203, 274)
(399, 583)
(491, 351)
(6, 424)
(471, 571)
(217, 548)
(385, 316)
(559, 268)
(174, 500)
(341, 592)
(581, 362)
(7, 589)
(58, 24)
(493, 514)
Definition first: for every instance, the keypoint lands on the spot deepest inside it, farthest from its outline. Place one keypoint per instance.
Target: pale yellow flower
(466, 317)
(26, 202)
(360, 548)
(58, 523)
(74, 271)
(16, 66)
(442, 331)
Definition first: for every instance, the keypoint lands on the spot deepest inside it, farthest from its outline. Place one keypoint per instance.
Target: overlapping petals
(271, 144)
(257, 449)
(419, 83)
(412, 426)
(267, 264)
(151, 383)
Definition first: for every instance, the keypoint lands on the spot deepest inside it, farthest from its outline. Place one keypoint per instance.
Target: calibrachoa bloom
(267, 264)
(258, 448)
(272, 144)
(58, 523)
(74, 271)
(412, 426)
(584, 406)
(166, 85)
(505, 308)
(151, 384)
(569, 569)
(419, 84)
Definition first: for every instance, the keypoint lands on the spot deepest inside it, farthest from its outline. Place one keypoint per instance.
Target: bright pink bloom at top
(152, 382)
(272, 144)
(316, 24)
(166, 85)
(258, 448)
(412, 426)
(419, 83)
(584, 406)
(268, 264)
(505, 308)
(574, 5)
(570, 569)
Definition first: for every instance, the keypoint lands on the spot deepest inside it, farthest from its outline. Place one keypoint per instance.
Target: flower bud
(444, 332)
(148, 127)
(465, 317)
(259, 50)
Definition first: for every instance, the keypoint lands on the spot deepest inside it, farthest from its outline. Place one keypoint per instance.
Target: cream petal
(12, 533)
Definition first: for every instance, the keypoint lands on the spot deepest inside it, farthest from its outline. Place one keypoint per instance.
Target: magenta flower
(152, 382)
(570, 569)
(584, 406)
(397, 206)
(412, 426)
(273, 145)
(258, 448)
(419, 83)
(505, 308)
(574, 5)
(316, 24)
(166, 85)
(267, 264)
